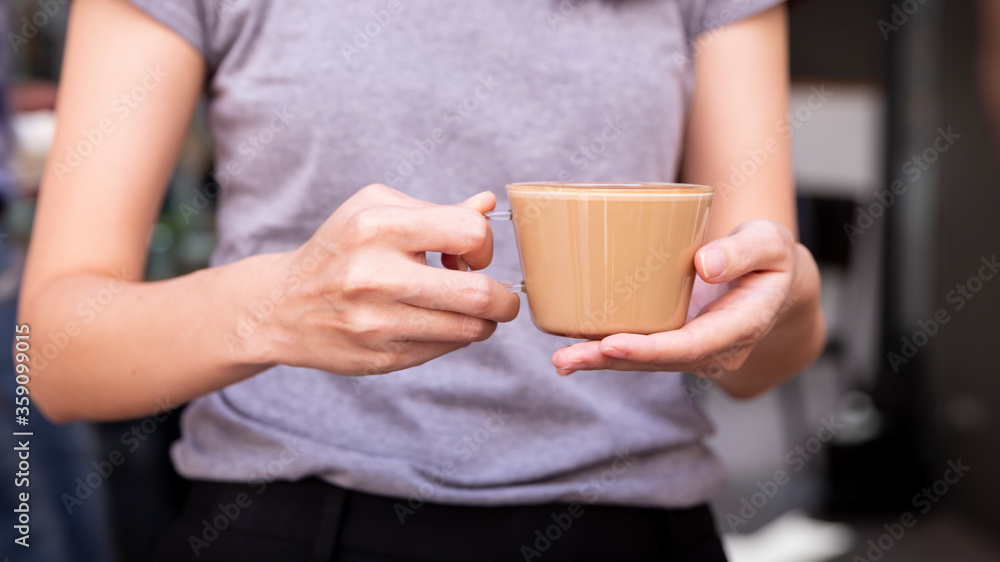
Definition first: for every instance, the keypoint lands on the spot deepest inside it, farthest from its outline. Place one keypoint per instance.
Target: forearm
(106, 348)
(794, 342)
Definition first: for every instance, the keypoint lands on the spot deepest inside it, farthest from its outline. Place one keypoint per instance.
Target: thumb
(756, 245)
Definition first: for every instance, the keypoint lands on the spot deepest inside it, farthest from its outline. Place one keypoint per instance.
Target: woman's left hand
(767, 272)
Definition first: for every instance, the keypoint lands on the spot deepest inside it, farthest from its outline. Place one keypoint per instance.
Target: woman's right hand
(355, 299)
(359, 298)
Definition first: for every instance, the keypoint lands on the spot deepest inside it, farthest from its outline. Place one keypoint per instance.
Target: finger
(734, 322)
(447, 229)
(397, 356)
(418, 353)
(483, 203)
(738, 319)
(468, 293)
(587, 356)
(379, 195)
(425, 325)
(578, 357)
(755, 245)
(453, 263)
(372, 196)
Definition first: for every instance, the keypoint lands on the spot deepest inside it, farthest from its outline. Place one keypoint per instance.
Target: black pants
(315, 521)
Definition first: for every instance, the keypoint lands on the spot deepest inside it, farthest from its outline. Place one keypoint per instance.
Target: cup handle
(498, 216)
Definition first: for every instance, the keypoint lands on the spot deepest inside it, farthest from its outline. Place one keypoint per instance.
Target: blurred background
(883, 450)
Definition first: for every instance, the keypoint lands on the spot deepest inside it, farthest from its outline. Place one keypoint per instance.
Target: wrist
(254, 334)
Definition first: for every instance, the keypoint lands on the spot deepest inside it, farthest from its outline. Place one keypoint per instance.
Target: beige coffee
(602, 259)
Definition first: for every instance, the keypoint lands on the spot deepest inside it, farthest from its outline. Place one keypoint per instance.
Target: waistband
(332, 523)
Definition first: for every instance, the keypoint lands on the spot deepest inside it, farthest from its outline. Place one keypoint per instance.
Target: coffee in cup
(607, 258)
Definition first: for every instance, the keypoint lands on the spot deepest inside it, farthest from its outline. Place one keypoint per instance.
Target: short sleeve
(185, 17)
(704, 15)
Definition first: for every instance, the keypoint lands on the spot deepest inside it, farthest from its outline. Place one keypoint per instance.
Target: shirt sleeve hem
(729, 16)
(177, 20)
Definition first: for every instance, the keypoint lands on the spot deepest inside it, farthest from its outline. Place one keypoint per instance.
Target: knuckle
(478, 294)
(475, 329)
(757, 224)
(365, 326)
(487, 330)
(695, 352)
(365, 225)
(780, 234)
(773, 232)
(385, 361)
(474, 230)
(742, 254)
(371, 225)
(787, 238)
(357, 281)
(693, 356)
(510, 308)
(376, 189)
(480, 229)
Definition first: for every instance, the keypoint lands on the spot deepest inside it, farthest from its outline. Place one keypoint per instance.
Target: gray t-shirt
(311, 101)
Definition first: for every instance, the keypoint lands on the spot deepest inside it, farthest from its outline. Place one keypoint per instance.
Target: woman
(318, 279)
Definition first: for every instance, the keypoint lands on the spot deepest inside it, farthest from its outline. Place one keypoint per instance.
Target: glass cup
(607, 258)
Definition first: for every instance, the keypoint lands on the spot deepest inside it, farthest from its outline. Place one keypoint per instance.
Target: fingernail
(713, 263)
(573, 367)
(614, 352)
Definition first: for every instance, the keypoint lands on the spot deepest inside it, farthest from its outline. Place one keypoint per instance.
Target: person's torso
(310, 102)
